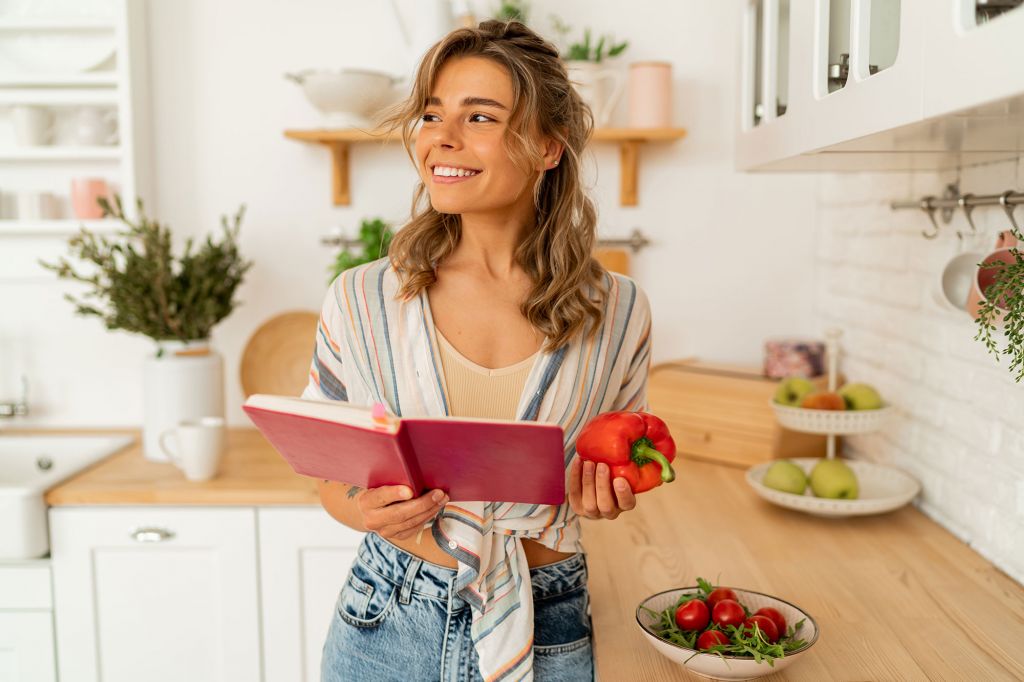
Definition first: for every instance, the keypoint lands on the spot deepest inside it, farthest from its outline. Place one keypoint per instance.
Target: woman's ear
(552, 153)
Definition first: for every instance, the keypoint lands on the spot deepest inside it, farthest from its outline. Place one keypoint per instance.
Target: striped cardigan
(372, 347)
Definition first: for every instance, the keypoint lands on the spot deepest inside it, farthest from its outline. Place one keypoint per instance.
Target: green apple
(785, 476)
(792, 390)
(832, 478)
(860, 397)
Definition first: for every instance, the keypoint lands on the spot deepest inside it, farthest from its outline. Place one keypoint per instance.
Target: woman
(489, 305)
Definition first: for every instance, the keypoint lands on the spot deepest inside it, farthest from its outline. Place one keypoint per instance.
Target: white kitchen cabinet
(927, 105)
(156, 594)
(972, 63)
(26, 623)
(304, 560)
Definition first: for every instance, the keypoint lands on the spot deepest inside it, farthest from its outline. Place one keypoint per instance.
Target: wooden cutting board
(277, 356)
(615, 260)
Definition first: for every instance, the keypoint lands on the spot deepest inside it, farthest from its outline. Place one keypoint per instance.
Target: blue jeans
(397, 618)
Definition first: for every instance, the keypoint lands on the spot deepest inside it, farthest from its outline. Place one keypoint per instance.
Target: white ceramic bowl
(347, 97)
(841, 422)
(724, 666)
(881, 489)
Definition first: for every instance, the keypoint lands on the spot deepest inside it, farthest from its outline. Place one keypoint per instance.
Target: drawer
(25, 586)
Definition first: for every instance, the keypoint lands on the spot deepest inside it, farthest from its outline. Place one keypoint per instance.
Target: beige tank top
(477, 391)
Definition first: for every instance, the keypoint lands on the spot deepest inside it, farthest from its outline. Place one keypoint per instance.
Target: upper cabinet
(874, 84)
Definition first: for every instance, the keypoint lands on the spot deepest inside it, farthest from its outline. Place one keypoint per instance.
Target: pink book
(470, 459)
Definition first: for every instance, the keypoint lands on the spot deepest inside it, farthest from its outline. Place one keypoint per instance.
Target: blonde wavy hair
(569, 290)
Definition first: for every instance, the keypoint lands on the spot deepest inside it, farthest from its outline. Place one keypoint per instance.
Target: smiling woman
(490, 305)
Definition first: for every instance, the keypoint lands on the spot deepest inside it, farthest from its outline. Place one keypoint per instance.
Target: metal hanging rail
(951, 199)
(635, 241)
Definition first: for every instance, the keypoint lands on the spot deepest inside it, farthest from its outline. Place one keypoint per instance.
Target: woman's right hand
(390, 512)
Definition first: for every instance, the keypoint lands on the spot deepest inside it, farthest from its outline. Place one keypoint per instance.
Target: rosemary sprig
(1008, 285)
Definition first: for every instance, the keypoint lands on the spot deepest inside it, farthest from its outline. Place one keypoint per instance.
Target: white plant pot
(186, 381)
(599, 86)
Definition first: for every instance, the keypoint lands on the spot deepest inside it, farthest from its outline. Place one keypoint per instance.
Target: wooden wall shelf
(628, 139)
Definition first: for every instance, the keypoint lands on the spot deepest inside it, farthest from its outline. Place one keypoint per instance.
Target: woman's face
(463, 125)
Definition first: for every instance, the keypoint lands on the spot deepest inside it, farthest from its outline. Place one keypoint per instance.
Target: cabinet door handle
(152, 534)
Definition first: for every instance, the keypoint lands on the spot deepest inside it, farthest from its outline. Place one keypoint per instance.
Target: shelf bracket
(628, 153)
(339, 173)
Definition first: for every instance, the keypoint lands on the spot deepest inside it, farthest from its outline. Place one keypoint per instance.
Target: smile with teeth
(448, 172)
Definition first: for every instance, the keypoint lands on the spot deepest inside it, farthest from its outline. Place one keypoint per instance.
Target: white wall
(959, 428)
(725, 244)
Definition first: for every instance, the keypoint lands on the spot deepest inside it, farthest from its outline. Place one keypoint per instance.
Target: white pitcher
(599, 86)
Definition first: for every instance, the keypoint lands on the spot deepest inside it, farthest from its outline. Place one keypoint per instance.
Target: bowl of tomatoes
(726, 633)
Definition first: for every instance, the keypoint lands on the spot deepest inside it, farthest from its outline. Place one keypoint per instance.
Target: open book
(470, 459)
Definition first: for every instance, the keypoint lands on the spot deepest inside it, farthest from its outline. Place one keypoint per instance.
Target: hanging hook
(926, 206)
(962, 203)
(1008, 207)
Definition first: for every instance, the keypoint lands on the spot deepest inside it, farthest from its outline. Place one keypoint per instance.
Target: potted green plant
(512, 10)
(372, 243)
(600, 86)
(1001, 303)
(137, 284)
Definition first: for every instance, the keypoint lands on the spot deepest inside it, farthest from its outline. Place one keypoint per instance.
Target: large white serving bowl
(347, 97)
(724, 666)
(839, 422)
(31, 465)
(881, 489)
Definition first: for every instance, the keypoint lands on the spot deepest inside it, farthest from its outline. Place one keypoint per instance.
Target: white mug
(33, 125)
(200, 446)
(95, 126)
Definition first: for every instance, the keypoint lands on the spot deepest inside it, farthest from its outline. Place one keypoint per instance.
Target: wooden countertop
(251, 473)
(895, 596)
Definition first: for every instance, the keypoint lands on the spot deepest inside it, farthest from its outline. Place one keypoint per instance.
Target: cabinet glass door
(838, 44)
(884, 34)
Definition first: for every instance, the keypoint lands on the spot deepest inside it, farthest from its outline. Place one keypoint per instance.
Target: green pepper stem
(642, 449)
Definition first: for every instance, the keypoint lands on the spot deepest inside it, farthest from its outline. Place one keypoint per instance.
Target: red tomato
(711, 638)
(728, 612)
(777, 618)
(771, 633)
(693, 615)
(720, 593)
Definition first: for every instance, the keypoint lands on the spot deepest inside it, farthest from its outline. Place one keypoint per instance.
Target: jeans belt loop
(410, 575)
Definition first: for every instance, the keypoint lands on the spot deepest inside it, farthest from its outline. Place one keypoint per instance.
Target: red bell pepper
(635, 445)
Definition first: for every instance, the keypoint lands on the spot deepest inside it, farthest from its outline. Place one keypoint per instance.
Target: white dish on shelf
(882, 489)
(57, 51)
(839, 422)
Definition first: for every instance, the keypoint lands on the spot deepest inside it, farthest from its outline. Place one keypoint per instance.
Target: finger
(412, 524)
(375, 498)
(398, 512)
(589, 495)
(606, 502)
(624, 494)
(575, 484)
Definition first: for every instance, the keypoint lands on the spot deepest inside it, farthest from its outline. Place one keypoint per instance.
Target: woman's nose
(447, 134)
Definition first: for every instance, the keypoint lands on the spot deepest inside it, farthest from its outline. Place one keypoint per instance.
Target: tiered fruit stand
(882, 488)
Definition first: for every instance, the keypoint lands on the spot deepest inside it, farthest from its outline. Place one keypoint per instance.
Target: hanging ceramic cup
(986, 277)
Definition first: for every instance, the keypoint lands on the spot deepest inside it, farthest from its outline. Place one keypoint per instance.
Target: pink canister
(650, 95)
(85, 193)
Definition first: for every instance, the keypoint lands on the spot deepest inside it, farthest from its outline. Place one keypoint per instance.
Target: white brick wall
(960, 423)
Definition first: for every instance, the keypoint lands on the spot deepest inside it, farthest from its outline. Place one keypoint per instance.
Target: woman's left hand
(594, 495)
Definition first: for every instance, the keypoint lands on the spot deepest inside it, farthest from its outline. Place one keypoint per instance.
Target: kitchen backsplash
(959, 429)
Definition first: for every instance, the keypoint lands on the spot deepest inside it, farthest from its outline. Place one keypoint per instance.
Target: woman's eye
(426, 117)
(481, 116)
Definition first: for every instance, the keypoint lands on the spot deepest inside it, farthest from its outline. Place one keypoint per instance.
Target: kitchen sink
(31, 465)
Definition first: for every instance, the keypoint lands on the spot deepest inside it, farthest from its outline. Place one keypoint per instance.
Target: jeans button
(452, 544)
